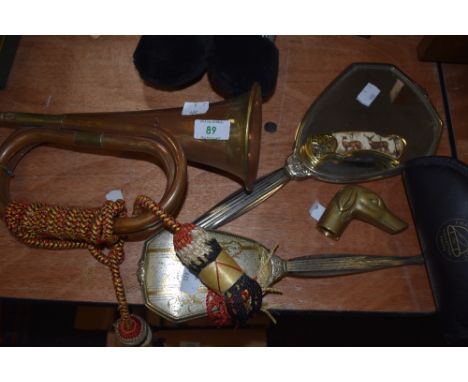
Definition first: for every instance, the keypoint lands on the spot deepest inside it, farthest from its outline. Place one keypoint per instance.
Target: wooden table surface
(84, 74)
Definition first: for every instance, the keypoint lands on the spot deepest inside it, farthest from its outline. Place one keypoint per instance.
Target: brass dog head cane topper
(356, 202)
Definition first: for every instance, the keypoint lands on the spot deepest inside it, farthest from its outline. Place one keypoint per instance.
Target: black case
(437, 189)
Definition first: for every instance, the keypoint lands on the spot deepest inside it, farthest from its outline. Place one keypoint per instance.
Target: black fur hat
(171, 62)
(236, 62)
(233, 63)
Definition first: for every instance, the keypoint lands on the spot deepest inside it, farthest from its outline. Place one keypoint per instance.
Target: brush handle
(336, 264)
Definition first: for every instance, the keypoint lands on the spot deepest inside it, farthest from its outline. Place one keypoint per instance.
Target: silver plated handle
(239, 202)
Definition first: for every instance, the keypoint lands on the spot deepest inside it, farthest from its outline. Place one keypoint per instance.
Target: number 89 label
(212, 129)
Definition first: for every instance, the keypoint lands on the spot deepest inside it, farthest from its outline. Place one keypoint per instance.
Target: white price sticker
(195, 108)
(368, 94)
(190, 283)
(316, 210)
(212, 129)
(114, 195)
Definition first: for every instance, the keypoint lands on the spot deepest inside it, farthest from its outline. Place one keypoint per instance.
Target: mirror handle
(239, 202)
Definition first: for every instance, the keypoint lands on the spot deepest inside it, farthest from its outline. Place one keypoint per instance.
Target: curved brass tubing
(356, 202)
(162, 149)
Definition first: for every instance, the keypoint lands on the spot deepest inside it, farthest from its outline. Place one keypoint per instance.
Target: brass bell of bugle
(237, 155)
(356, 202)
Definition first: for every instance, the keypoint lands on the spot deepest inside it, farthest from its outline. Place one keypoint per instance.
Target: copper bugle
(161, 149)
(238, 156)
(357, 202)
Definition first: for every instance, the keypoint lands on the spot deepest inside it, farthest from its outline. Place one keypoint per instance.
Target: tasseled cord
(42, 226)
(230, 300)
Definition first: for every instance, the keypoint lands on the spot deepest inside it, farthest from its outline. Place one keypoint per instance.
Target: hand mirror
(368, 122)
(171, 291)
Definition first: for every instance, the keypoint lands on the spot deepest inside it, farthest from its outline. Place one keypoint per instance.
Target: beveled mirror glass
(379, 119)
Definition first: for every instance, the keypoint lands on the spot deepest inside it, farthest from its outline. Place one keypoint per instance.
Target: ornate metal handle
(239, 202)
(336, 264)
